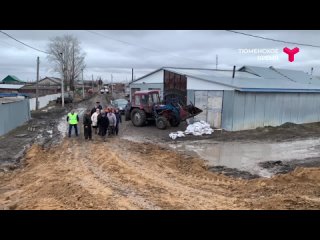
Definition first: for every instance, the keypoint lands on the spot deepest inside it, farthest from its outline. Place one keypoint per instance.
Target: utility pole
(82, 83)
(37, 87)
(111, 85)
(132, 75)
(72, 84)
(216, 62)
(62, 81)
(92, 82)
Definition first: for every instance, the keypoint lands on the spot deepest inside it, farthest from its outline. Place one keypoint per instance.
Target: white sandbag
(173, 136)
(196, 129)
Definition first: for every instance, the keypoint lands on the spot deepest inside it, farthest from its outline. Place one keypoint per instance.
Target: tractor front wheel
(138, 117)
(174, 122)
(162, 123)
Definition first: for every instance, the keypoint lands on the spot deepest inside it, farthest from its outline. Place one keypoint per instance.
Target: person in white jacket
(94, 119)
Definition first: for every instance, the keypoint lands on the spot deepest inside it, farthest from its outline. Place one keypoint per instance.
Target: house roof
(53, 79)
(10, 86)
(257, 83)
(14, 78)
(250, 78)
(260, 71)
(210, 72)
(294, 75)
(85, 81)
(276, 73)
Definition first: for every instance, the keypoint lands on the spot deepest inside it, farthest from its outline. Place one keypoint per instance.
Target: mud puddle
(137, 139)
(254, 159)
(63, 126)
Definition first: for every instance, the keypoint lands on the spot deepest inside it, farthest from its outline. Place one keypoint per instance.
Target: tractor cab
(146, 100)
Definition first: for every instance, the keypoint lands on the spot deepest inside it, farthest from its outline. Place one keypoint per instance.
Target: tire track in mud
(88, 181)
(176, 182)
(120, 188)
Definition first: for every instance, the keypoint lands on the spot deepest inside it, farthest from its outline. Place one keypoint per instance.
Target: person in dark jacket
(95, 108)
(103, 123)
(119, 120)
(87, 125)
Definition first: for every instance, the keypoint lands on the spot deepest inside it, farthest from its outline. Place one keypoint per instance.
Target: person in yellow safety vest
(73, 120)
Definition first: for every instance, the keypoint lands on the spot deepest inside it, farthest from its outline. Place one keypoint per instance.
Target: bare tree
(68, 58)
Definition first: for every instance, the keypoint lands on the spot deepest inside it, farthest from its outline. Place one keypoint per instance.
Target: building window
(137, 100)
(159, 90)
(144, 99)
(155, 98)
(133, 90)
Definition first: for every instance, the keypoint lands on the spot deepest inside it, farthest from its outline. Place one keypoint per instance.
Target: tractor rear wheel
(138, 117)
(162, 123)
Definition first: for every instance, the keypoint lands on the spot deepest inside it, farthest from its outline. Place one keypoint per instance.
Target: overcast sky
(116, 52)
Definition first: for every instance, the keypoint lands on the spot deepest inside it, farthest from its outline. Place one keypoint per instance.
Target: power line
(23, 42)
(149, 49)
(15, 46)
(275, 40)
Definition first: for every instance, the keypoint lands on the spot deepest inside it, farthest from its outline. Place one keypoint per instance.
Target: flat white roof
(10, 86)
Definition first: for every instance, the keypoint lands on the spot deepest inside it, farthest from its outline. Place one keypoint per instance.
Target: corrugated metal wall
(210, 102)
(251, 110)
(13, 115)
(190, 96)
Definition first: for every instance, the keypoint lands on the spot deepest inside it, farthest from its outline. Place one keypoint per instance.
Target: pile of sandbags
(199, 128)
(196, 129)
(175, 135)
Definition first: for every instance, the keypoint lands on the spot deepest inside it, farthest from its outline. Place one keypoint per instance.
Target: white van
(104, 90)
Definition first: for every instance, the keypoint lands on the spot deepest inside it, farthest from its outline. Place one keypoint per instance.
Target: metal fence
(13, 114)
(251, 110)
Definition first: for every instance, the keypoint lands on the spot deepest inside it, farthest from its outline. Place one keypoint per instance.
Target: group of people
(103, 121)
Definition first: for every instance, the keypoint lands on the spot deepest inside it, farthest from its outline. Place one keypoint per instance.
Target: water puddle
(135, 139)
(63, 125)
(247, 156)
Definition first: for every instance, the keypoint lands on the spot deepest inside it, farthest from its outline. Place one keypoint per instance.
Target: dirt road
(120, 174)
